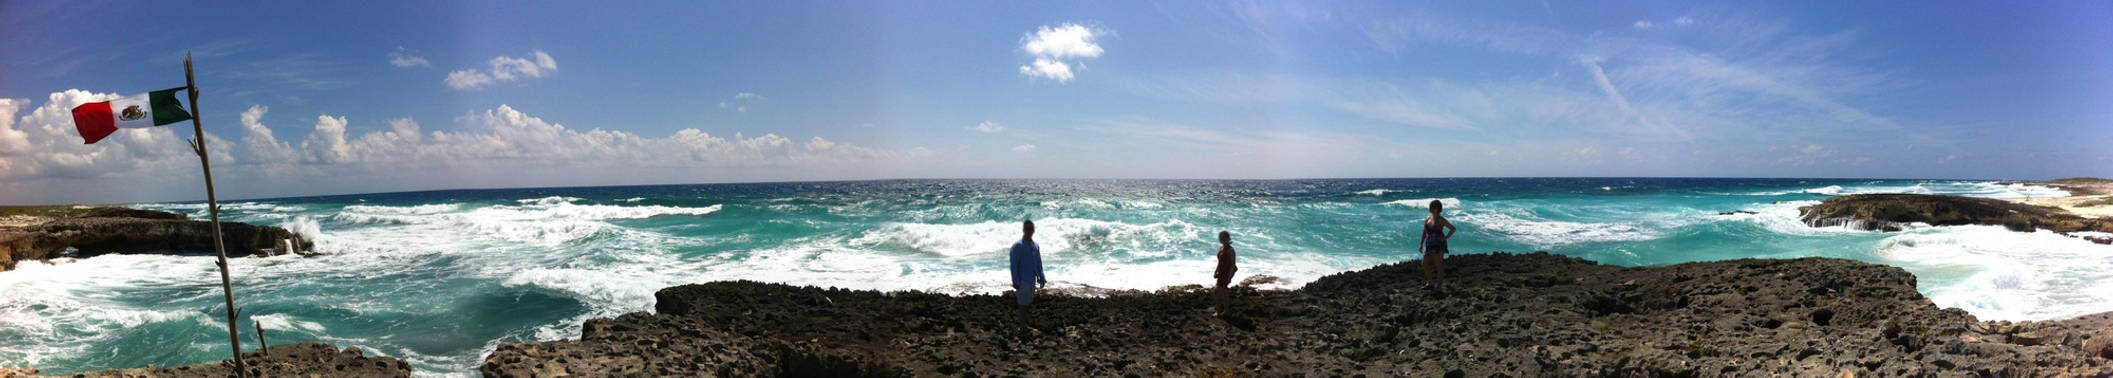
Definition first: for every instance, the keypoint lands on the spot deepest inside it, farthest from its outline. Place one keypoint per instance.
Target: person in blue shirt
(1027, 272)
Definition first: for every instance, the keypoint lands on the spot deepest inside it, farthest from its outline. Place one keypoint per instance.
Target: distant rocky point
(1892, 212)
(1503, 315)
(47, 232)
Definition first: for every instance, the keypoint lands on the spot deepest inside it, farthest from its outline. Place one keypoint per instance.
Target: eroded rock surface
(1503, 315)
(120, 230)
(1889, 212)
(308, 359)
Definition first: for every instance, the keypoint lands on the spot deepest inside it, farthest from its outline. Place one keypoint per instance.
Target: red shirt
(1225, 263)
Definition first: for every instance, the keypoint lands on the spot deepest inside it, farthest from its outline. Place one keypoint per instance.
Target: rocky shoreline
(308, 359)
(1894, 212)
(2088, 197)
(1503, 315)
(106, 230)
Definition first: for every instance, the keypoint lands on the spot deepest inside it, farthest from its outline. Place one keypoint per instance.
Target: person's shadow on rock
(1237, 321)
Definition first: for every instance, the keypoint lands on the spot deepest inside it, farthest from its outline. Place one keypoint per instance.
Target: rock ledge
(1510, 315)
(121, 230)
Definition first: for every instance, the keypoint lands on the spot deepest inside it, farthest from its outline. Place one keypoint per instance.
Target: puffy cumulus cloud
(987, 127)
(41, 149)
(259, 143)
(11, 140)
(504, 69)
(42, 159)
(507, 135)
(1642, 25)
(1056, 48)
(402, 58)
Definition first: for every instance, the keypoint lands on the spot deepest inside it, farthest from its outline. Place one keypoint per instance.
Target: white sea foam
(547, 201)
(286, 322)
(1425, 203)
(303, 225)
(549, 221)
(234, 206)
(1374, 192)
(403, 210)
(56, 311)
(1054, 235)
(1543, 233)
(1961, 188)
(633, 199)
(1782, 217)
(2016, 190)
(1997, 274)
(595, 287)
(1081, 203)
(1824, 190)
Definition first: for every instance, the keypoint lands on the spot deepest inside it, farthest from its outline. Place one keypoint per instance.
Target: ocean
(440, 278)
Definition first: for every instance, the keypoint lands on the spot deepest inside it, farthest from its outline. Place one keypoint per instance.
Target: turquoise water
(440, 278)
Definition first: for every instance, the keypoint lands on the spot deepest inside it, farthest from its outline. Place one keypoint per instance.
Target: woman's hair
(1225, 235)
(1436, 206)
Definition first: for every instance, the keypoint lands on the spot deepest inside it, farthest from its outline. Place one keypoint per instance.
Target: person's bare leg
(1438, 271)
(1428, 280)
(1218, 296)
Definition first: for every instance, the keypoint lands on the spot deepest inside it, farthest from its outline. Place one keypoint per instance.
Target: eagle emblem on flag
(132, 113)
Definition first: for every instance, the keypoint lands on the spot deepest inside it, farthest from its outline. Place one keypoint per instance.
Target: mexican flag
(99, 119)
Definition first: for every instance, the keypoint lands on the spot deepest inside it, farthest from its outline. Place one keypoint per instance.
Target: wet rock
(1890, 212)
(119, 230)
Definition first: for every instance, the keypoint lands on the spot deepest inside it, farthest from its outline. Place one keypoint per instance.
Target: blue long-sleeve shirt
(1027, 263)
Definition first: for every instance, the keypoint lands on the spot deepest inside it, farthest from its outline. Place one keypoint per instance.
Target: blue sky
(306, 98)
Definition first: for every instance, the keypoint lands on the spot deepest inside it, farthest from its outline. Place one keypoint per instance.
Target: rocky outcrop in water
(120, 230)
(1889, 212)
(1503, 315)
(308, 359)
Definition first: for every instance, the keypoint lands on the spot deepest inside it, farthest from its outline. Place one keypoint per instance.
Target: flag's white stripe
(145, 112)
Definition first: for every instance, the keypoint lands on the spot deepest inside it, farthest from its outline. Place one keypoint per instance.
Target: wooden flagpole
(212, 205)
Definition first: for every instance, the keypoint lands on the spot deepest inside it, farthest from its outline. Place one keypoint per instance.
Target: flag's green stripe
(166, 109)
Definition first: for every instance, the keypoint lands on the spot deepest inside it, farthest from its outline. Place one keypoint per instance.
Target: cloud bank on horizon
(458, 98)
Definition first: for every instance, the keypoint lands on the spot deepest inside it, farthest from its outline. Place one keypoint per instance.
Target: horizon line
(1045, 179)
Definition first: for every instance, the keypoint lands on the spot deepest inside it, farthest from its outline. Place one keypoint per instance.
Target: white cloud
(1048, 68)
(1642, 25)
(740, 101)
(987, 127)
(468, 79)
(41, 154)
(508, 135)
(1056, 49)
(1684, 21)
(1024, 148)
(258, 140)
(503, 69)
(402, 58)
(42, 159)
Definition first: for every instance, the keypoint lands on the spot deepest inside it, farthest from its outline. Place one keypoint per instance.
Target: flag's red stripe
(94, 121)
